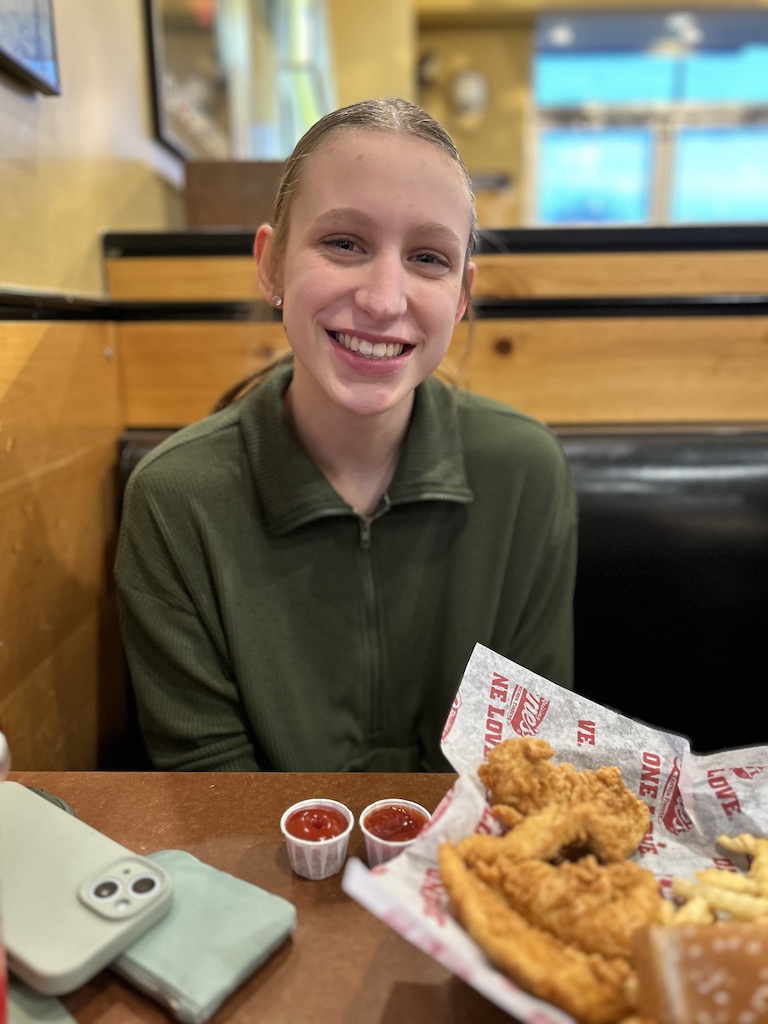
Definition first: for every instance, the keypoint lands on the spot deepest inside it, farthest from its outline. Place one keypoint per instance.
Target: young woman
(303, 575)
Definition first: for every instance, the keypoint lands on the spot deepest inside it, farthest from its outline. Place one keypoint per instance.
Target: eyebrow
(428, 227)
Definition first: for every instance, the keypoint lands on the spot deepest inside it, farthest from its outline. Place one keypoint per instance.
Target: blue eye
(343, 244)
(432, 259)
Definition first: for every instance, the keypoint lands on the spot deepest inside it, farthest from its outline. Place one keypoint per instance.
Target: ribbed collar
(292, 489)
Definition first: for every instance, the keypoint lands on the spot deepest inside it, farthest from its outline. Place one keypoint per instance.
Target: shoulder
(182, 455)
(491, 430)
(510, 456)
(207, 451)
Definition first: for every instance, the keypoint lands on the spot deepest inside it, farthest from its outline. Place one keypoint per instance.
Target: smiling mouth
(380, 350)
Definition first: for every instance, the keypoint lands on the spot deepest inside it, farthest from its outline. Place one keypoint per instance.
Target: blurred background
(565, 114)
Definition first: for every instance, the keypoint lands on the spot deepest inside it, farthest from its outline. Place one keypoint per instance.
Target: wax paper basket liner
(693, 798)
(219, 930)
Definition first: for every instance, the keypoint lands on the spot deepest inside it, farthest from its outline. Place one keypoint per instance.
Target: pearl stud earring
(277, 300)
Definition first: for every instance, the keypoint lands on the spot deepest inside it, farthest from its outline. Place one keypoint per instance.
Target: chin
(369, 400)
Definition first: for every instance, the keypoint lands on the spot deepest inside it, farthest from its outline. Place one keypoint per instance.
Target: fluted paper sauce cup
(388, 826)
(317, 836)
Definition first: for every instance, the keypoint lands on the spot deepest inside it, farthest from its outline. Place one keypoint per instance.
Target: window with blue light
(737, 77)
(581, 78)
(675, 105)
(720, 175)
(594, 177)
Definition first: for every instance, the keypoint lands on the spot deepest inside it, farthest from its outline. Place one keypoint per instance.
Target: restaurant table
(341, 966)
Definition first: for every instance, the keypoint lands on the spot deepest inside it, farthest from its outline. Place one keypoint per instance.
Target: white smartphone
(71, 899)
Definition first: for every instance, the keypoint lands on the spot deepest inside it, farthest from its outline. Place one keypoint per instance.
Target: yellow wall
(373, 47)
(76, 164)
(492, 142)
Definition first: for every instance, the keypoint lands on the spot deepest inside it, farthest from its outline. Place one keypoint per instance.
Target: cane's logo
(748, 771)
(452, 714)
(526, 711)
(673, 814)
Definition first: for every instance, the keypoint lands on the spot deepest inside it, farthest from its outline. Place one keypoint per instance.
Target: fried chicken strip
(595, 907)
(590, 987)
(549, 807)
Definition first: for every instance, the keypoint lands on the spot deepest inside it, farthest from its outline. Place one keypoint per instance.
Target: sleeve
(543, 637)
(187, 698)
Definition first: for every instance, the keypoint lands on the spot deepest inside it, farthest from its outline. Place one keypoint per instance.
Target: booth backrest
(672, 585)
(671, 601)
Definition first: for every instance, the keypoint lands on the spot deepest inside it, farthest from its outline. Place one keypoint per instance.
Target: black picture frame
(28, 44)
(191, 121)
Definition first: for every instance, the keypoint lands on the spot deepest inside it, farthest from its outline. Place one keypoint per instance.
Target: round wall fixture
(468, 93)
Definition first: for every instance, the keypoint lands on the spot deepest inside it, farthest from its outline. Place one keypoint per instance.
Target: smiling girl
(303, 575)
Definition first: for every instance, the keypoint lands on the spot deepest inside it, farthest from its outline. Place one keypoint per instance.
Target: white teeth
(380, 350)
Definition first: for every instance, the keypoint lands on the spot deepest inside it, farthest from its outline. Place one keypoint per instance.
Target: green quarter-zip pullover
(269, 626)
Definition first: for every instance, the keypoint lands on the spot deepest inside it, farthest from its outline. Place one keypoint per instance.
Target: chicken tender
(591, 987)
(550, 807)
(593, 906)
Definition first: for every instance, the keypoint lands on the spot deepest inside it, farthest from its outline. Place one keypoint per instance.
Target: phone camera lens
(105, 889)
(143, 885)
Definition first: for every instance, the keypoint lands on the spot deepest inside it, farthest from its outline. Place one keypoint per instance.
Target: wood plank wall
(648, 370)
(704, 369)
(174, 371)
(62, 694)
(180, 278)
(499, 275)
(620, 274)
(562, 369)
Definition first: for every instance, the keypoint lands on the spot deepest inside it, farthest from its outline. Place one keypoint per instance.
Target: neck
(357, 454)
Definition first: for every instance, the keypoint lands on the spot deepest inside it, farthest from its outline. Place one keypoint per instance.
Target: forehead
(388, 169)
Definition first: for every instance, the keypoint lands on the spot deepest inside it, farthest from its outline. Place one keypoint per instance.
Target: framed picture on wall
(190, 87)
(28, 44)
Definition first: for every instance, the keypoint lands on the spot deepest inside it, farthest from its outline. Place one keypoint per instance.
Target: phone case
(71, 898)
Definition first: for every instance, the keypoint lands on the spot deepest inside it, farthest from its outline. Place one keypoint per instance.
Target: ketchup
(395, 823)
(316, 823)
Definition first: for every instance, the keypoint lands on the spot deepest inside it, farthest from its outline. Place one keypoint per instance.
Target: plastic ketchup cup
(389, 826)
(317, 836)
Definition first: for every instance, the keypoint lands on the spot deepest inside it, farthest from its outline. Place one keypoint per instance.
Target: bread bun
(713, 973)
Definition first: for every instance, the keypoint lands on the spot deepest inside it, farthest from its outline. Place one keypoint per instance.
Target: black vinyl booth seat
(671, 604)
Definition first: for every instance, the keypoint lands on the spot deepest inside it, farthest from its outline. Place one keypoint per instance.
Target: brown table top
(342, 965)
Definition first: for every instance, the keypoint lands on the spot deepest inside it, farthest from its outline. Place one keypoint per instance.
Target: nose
(382, 289)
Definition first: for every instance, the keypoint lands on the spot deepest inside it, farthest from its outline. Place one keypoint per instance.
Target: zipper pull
(365, 521)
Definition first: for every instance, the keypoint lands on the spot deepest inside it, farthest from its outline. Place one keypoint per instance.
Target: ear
(466, 293)
(270, 271)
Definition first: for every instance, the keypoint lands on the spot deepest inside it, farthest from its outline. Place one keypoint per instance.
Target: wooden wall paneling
(173, 372)
(499, 275)
(231, 192)
(59, 393)
(182, 278)
(620, 274)
(591, 370)
(60, 663)
(622, 370)
(52, 717)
